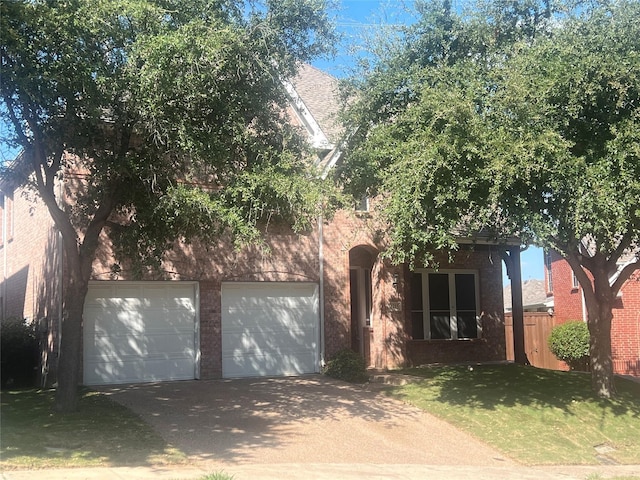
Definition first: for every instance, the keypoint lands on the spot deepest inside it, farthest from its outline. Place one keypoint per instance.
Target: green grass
(101, 433)
(535, 416)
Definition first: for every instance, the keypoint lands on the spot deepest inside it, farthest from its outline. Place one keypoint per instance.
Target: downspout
(321, 287)
(4, 255)
(60, 274)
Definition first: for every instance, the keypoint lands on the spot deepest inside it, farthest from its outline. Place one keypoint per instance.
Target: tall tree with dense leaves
(513, 118)
(169, 114)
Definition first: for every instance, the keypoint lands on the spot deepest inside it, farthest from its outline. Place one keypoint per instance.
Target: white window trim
(575, 284)
(453, 325)
(548, 263)
(362, 206)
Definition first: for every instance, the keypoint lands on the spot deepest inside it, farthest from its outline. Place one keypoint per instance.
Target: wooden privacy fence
(537, 328)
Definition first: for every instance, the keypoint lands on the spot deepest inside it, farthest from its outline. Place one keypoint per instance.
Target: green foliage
(218, 476)
(347, 365)
(164, 98)
(513, 119)
(18, 353)
(569, 342)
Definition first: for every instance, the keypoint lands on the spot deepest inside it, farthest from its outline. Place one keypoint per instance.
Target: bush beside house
(18, 353)
(347, 365)
(570, 343)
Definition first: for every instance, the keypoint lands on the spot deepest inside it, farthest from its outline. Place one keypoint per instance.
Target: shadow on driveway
(311, 419)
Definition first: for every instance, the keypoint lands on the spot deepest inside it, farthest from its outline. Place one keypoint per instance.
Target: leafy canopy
(512, 118)
(170, 113)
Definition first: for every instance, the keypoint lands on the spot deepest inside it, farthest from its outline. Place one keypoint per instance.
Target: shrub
(570, 343)
(347, 365)
(18, 353)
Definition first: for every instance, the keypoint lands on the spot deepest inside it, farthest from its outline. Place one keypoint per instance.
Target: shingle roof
(319, 92)
(533, 294)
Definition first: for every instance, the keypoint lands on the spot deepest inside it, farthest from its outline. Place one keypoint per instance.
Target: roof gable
(314, 100)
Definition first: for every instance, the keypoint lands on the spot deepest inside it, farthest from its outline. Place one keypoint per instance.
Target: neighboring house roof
(627, 257)
(534, 296)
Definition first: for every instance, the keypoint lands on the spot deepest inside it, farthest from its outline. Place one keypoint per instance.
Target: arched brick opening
(362, 259)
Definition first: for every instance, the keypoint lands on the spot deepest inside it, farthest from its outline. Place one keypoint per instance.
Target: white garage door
(140, 332)
(269, 329)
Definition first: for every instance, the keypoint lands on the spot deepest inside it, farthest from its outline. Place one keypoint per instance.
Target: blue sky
(532, 261)
(355, 19)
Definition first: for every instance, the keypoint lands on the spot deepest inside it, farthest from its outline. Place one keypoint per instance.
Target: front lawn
(534, 416)
(101, 433)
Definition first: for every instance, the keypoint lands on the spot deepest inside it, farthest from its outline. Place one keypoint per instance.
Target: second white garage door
(269, 329)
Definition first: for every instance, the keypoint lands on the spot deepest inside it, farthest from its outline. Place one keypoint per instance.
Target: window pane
(416, 291)
(439, 291)
(440, 327)
(467, 326)
(417, 326)
(465, 291)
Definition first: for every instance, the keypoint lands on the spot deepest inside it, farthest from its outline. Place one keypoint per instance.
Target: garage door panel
(269, 328)
(249, 319)
(150, 337)
(141, 296)
(110, 346)
(266, 364)
(136, 369)
(291, 301)
(276, 339)
(131, 320)
(133, 355)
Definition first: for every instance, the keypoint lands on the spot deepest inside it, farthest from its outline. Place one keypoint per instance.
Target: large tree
(167, 114)
(512, 118)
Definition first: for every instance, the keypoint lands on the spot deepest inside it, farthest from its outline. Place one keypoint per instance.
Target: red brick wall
(31, 267)
(210, 330)
(286, 256)
(346, 231)
(567, 300)
(625, 326)
(29, 259)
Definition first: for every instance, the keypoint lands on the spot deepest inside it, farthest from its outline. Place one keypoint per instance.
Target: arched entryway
(361, 261)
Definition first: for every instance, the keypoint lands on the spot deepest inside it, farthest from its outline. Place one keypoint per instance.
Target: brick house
(216, 312)
(568, 304)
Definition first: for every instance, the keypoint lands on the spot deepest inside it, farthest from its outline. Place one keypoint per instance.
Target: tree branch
(92, 233)
(115, 225)
(24, 140)
(573, 258)
(612, 261)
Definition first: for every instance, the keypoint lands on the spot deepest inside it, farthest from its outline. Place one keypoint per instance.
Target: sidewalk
(301, 471)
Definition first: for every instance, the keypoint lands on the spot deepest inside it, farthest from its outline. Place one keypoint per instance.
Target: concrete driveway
(310, 419)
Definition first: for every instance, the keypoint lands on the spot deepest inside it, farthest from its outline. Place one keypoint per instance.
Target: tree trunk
(79, 260)
(599, 322)
(599, 316)
(70, 359)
